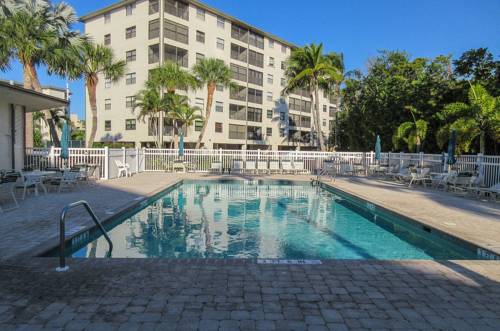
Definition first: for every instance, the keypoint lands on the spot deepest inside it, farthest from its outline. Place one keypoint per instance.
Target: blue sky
(358, 28)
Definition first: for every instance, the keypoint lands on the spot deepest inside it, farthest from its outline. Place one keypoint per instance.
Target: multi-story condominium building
(255, 116)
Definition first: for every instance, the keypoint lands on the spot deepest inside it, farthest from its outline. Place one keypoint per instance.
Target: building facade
(147, 33)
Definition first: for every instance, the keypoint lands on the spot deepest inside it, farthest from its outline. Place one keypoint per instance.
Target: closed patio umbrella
(65, 138)
(181, 145)
(378, 149)
(451, 148)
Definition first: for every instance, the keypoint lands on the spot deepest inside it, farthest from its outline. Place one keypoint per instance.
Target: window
(238, 93)
(130, 101)
(254, 114)
(175, 31)
(255, 77)
(282, 132)
(129, 9)
(199, 57)
(130, 55)
(237, 112)
(198, 125)
(305, 122)
(199, 102)
(219, 88)
(283, 65)
(283, 49)
(218, 127)
(200, 13)
(130, 124)
(107, 82)
(256, 59)
(271, 43)
(107, 18)
(177, 8)
(107, 39)
(177, 55)
(154, 54)
(236, 131)
(238, 53)
(154, 29)
(332, 111)
(324, 108)
(107, 104)
(238, 72)
(271, 62)
(130, 78)
(130, 32)
(221, 22)
(282, 116)
(200, 37)
(269, 132)
(107, 125)
(269, 113)
(283, 82)
(324, 122)
(270, 79)
(269, 96)
(220, 43)
(239, 33)
(299, 105)
(154, 6)
(254, 96)
(254, 133)
(219, 106)
(256, 40)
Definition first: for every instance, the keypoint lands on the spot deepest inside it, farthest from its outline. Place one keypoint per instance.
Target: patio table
(38, 174)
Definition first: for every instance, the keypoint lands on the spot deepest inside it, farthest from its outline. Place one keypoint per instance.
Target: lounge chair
(491, 191)
(262, 167)
(25, 183)
(460, 183)
(421, 176)
(250, 166)
(298, 167)
(69, 179)
(216, 167)
(287, 167)
(274, 167)
(237, 166)
(123, 168)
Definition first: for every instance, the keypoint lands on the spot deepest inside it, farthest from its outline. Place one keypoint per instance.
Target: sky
(357, 28)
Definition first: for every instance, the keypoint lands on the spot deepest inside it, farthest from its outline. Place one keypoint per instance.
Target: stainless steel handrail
(62, 232)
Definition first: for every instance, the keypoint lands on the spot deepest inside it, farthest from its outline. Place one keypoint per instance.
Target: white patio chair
(287, 167)
(8, 189)
(26, 182)
(67, 180)
(123, 168)
(490, 191)
(298, 167)
(274, 167)
(216, 167)
(237, 166)
(262, 167)
(250, 166)
(421, 176)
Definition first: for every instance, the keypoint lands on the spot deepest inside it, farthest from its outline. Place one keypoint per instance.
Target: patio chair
(274, 167)
(29, 182)
(123, 168)
(250, 166)
(262, 167)
(216, 167)
(287, 167)
(8, 188)
(421, 176)
(237, 166)
(490, 191)
(460, 183)
(68, 179)
(298, 167)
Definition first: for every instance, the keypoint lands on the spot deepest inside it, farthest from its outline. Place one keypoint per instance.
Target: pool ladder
(62, 232)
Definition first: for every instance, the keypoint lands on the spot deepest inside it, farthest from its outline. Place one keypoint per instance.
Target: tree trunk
(91, 90)
(318, 121)
(31, 82)
(210, 99)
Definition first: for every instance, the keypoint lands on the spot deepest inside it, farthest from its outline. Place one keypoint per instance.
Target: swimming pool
(267, 220)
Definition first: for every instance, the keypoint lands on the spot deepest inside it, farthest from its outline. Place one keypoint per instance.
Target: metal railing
(62, 232)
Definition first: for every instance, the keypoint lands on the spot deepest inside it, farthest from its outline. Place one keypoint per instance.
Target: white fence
(161, 159)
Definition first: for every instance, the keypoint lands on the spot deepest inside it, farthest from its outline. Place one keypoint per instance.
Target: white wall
(6, 138)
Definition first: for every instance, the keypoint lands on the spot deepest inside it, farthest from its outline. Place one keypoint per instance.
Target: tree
(479, 118)
(33, 32)
(412, 132)
(89, 61)
(306, 67)
(479, 66)
(181, 114)
(211, 72)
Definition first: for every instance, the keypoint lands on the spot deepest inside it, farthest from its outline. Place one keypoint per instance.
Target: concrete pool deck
(148, 294)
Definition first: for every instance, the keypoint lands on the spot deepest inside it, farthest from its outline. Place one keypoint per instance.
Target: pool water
(241, 219)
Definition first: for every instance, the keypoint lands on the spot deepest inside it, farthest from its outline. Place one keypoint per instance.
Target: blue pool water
(236, 219)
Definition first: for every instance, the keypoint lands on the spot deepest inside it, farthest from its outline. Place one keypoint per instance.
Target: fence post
(143, 163)
(106, 162)
(401, 160)
(258, 154)
(124, 155)
(445, 164)
(136, 160)
(220, 155)
(52, 156)
(480, 166)
(421, 156)
(389, 158)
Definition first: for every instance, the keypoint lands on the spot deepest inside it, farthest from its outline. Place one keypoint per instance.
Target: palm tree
(181, 114)
(211, 72)
(90, 61)
(151, 104)
(413, 132)
(306, 68)
(479, 118)
(33, 32)
(332, 84)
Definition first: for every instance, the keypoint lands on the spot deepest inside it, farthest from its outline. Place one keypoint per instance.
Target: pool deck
(161, 294)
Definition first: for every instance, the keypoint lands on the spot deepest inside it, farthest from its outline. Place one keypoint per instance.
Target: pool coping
(482, 252)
